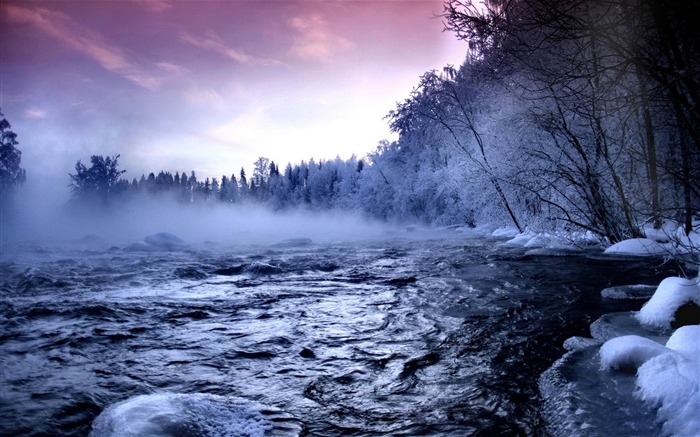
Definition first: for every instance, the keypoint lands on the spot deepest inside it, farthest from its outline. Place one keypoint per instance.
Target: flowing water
(442, 336)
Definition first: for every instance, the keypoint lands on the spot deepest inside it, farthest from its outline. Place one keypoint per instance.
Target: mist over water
(52, 223)
(416, 333)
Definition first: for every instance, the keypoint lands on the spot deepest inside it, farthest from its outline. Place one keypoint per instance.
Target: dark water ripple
(405, 337)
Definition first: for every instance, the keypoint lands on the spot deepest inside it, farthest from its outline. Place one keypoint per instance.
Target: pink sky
(210, 85)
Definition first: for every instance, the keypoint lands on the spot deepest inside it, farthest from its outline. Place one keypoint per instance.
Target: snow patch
(507, 232)
(522, 238)
(638, 247)
(556, 241)
(670, 295)
(686, 341)
(628, 352)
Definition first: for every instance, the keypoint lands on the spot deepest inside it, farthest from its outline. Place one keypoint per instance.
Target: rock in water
(165, 240)
(174, 414)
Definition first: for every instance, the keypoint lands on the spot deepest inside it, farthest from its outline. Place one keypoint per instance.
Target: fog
(47, 223)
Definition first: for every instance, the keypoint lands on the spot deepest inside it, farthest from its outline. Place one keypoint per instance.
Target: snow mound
(671, 381)
(521, 239)
(663, 234)
(686, 341)
(638, 247)
(507, 232)
(671, 294)
(176, 414)
(628, 352)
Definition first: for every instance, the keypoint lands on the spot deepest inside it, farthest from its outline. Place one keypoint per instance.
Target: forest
(565, 115)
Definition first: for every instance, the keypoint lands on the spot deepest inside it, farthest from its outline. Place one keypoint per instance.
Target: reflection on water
(443, 336)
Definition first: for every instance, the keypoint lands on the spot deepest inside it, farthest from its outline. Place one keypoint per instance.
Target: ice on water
(635, 364)
(176, 414)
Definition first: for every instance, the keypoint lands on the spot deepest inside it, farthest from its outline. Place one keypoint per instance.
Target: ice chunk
(629, 292)
(639, 247)
(576, 342)
(628, 352)
(613, 325)
(671, 294)
(174, 414)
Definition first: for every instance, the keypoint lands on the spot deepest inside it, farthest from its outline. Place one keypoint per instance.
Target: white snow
(671, 294)
(507, 232)
(639, 247)
(663, 234)
(671, 381)
(555, 241)
(686, 341)
(628, 351)
(522, 238)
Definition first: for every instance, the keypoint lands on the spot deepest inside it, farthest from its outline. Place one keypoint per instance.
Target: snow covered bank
(668, 377)
(670, 240)
(635, 365)
(547, 240)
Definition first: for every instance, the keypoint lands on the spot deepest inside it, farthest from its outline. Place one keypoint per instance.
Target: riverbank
(642, 365)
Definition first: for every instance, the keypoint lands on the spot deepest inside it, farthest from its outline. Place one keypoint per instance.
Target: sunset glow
(210, 85)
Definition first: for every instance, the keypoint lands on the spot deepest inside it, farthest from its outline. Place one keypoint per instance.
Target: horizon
(210, 86)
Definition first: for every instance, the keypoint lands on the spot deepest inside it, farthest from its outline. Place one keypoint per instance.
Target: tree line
(360, 185)
(564, 115)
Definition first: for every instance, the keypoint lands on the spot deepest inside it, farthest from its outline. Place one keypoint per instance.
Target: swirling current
(444, 335)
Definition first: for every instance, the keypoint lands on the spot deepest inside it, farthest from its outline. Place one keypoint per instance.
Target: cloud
(205, 97)
(212, 41)
(35, 113)
(85, 41)
(156, 6)
(315, 41)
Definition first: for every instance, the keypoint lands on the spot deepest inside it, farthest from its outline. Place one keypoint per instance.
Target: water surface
(442, 336)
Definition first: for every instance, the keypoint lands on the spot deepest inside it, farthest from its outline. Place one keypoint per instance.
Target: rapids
(443, 335)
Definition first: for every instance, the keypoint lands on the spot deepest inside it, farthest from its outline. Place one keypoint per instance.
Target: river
(437, 334)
